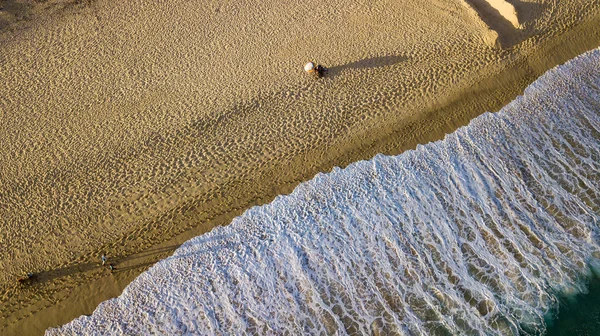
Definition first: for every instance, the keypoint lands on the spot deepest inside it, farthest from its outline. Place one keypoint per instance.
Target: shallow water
(481, 234)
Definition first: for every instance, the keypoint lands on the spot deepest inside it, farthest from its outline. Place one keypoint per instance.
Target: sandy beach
(129, 128)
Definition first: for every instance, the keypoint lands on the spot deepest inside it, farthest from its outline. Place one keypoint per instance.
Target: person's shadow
(78, 268)
(373, 62)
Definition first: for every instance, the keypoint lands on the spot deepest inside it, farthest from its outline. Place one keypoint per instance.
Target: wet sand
(129, 128)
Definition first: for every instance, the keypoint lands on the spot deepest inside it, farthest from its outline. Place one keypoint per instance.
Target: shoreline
(424, 125)
(368, 234)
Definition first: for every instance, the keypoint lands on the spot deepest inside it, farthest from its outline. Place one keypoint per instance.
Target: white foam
(473, 234)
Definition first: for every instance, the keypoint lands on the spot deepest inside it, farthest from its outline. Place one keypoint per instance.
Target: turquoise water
(579, 315)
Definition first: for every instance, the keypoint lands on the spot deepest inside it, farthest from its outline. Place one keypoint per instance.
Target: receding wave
(477, 234)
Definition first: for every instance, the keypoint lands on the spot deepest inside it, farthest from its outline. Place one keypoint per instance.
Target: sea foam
(476, 234)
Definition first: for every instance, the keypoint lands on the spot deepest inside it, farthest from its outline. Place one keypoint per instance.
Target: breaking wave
(479, 233)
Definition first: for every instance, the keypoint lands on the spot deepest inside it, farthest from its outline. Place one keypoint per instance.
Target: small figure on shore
(26, 279)
(111, 267)
(103, 257)
(317, 70)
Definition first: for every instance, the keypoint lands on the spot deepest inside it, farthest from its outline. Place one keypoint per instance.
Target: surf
(480, 233)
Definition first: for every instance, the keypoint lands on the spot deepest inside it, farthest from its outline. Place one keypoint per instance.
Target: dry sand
(127, 127)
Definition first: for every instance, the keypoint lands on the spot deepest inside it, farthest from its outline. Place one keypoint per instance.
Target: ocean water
(578, 315)
(487, 232)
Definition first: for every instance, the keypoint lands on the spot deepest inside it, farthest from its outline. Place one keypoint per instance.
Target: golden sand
(128, 127)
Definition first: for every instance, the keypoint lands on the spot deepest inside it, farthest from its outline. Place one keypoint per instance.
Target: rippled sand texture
(476, 234)
(123, 124)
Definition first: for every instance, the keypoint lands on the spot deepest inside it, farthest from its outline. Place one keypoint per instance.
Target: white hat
(309, 66)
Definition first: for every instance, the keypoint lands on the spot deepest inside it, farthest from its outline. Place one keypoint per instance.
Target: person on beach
(317, 70)
(103, 258)
(26, 279)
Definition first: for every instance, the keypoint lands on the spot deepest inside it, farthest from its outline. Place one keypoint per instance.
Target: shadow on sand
(368, 63)
(46, 276)
(508, 34)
